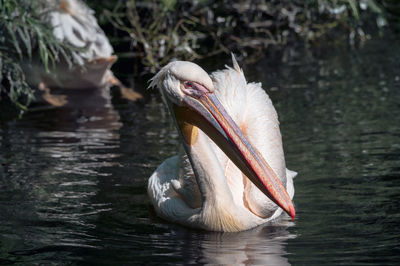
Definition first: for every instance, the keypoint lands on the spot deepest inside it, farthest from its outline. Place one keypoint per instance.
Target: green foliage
(22, 34)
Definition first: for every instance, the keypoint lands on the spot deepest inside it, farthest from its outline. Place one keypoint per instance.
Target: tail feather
(290, 173)
(289, 182)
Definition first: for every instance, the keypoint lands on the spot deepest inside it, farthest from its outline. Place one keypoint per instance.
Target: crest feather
(235, 63)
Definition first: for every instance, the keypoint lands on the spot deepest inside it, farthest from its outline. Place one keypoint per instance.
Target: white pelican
(74, 23)
(230, 132)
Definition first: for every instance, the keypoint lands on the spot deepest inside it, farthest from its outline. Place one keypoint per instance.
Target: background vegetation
(159, 30)
(162, 30)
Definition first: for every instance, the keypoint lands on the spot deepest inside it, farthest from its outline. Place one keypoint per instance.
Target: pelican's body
(74, 24)
(203, 188)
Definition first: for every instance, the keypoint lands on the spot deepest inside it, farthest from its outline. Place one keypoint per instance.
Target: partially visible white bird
(74, 23)
(232, 176)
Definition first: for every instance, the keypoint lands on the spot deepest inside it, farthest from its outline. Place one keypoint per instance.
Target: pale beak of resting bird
(202, 109)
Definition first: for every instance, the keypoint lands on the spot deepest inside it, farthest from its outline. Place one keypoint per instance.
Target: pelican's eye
(193, 89)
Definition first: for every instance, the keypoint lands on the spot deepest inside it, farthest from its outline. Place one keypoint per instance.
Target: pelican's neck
(218, 212)
(209, 172)
(206, 166)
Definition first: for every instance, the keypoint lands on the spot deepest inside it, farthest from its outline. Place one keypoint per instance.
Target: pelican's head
(189, 92)
(181, 78)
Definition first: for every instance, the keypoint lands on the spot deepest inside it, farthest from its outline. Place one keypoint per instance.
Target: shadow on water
(73, 179)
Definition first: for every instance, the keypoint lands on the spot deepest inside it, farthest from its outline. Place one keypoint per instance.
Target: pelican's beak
(206, 112)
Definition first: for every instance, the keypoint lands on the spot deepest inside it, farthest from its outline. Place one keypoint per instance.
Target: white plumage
(216, 195)
(74, 23)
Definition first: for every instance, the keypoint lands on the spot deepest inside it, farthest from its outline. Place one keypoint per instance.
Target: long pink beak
(211, 117)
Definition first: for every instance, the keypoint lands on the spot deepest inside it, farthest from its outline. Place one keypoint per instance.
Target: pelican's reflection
(75, 132)
(70, 149)
(263, 245)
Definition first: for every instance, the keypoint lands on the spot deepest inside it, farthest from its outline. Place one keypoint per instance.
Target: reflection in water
(264, 245)
(54, 161)
(86, 129)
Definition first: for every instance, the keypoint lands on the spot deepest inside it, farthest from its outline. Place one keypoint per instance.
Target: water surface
(73, 179)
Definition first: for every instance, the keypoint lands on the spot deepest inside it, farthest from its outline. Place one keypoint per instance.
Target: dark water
(73, 180)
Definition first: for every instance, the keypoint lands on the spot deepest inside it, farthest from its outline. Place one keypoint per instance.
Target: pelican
(74, 23)
(232, 175)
